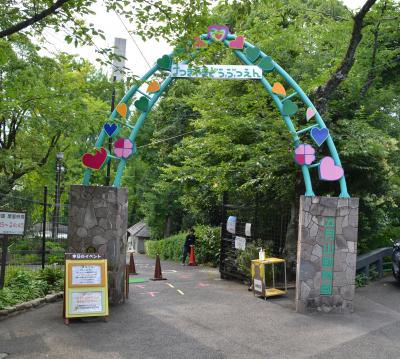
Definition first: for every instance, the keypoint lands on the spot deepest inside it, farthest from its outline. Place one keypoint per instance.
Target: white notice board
(86, 275)
(12, 223)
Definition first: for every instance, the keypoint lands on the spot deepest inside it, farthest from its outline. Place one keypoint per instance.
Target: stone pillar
(326, 254)
(98, 221)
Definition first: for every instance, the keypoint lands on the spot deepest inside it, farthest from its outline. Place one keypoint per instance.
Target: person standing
(189, 242)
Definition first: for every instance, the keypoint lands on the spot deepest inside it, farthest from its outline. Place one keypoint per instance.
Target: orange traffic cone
(192, 257)
(157, 270)
(132, 269)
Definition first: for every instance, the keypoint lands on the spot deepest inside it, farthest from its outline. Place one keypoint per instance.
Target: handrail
(374, 257)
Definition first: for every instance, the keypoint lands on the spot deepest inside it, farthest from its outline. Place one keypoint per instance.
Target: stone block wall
(98, 218)
(326, 254)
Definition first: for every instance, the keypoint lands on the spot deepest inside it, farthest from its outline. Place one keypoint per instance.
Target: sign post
(4, 245)
(86, 289)
(11, 223)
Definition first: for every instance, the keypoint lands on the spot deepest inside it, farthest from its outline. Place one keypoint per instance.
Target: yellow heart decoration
(154, 86)
(278, 89)
(122, 109)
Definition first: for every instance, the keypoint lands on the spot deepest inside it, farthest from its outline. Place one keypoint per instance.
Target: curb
(26, 306)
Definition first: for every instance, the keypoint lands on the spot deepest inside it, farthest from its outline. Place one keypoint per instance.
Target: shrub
(207, 246)
(22, 285)
(245, 257)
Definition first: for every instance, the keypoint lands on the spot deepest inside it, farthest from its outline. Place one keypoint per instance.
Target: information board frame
(70, 309)
(16, 213)
(4, 240)
(86, 263)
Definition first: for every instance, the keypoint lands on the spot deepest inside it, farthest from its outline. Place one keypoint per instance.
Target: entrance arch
(329, 167)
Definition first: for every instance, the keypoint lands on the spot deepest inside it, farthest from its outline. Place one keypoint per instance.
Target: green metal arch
(298, 92)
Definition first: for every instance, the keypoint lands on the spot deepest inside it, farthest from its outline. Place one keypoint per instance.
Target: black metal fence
(46, 228)
(266, 228)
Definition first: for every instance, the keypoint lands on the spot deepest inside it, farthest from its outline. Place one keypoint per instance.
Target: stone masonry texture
(312, 220)
(98, 218)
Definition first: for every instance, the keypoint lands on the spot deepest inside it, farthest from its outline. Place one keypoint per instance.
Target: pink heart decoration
(328, 171)
(238, 43)
(123, 148)
(304, 154)
(95, 162)
(309, 113)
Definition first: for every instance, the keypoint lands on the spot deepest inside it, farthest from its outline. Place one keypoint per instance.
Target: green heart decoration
(252, 53)
(289, 108)
(142, 104)
(266, 64)
(164, 62)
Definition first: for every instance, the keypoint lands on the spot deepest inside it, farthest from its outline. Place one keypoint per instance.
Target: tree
(46, 105)
(242, 147)
(151, 18)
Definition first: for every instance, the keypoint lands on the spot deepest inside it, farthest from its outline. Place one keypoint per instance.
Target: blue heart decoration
(319, 135)
(111, 130)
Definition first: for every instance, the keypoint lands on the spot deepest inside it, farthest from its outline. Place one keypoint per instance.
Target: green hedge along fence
(207, 246)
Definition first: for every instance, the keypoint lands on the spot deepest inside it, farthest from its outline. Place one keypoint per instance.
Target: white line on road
(180, 292)
(170, 285)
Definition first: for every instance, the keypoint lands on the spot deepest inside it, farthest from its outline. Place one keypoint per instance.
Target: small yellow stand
(265, 282)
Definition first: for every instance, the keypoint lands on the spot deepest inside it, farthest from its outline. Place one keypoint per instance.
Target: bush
(207, 246)
(22, 285)
(245, 257)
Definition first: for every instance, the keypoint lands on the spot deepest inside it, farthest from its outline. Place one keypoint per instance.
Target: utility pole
(117, 75)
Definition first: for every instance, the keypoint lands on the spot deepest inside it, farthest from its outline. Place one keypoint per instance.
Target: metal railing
(365, 261)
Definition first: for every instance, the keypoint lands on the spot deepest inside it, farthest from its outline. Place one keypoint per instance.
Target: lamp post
(56, 213)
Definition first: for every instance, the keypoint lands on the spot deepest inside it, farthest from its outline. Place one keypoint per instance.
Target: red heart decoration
(95, 162)
(199, 43)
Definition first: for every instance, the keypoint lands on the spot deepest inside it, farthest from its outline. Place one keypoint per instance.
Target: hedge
(207, 246)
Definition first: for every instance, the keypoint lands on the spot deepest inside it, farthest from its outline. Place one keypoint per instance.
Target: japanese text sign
(86, 292)
(222, 72)
(328, 251)
(12, 223)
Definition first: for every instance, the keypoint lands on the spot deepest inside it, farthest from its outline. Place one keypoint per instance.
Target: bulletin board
(86, 288)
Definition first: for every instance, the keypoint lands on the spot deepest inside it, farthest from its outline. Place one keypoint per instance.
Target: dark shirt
(190, 240)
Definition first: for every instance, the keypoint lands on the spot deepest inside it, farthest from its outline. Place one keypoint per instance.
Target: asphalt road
(194, 314)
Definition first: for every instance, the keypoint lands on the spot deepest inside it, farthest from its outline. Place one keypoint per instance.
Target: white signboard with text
(231, 224)
(12, 223)
(240, 243)
(86, 302)
(86, 275)
(222, 72)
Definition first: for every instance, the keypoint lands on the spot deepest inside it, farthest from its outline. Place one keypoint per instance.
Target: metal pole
(44, 226)
(3, 260)
(56, 212)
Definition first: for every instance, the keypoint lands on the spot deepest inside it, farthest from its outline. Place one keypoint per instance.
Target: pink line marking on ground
(151, 294)
(202, 285)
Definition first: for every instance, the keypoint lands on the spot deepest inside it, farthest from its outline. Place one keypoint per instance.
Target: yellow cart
(269, 277)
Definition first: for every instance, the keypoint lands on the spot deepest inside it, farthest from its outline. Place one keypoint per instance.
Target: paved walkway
(194, 314)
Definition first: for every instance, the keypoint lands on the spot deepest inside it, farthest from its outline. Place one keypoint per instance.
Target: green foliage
(41, 103)
(236, 142)
(207, 246)
(22, 285)
(361, 280)
(176, 20)
(168, 248)
(245, 257)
